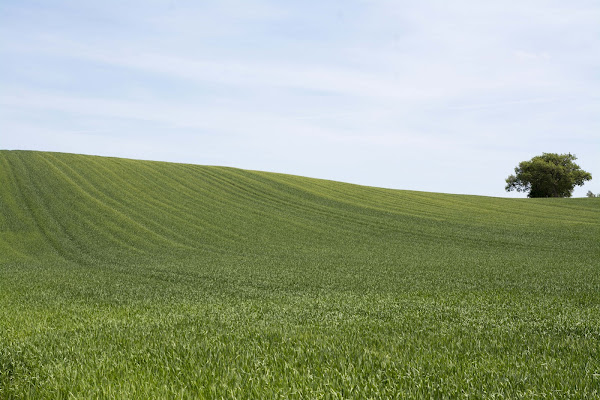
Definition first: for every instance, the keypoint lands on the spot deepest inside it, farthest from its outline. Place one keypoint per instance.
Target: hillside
(124, 278)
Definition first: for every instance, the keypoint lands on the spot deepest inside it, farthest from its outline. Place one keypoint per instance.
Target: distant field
(136, 279)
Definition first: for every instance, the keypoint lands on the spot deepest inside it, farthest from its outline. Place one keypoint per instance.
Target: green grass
(136, 279)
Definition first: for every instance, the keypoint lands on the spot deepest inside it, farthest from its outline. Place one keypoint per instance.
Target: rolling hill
(137, 279)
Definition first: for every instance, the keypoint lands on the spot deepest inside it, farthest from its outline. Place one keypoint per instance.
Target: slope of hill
(123, 278)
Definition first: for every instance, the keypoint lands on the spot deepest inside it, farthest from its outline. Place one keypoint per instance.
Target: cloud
(531, 56)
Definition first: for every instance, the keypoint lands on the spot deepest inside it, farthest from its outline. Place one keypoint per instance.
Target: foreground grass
(133, 279)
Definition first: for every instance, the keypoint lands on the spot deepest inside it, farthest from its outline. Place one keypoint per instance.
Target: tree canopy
(548, 175)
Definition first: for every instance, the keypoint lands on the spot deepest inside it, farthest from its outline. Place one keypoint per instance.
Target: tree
(591, 194)
(548, 175)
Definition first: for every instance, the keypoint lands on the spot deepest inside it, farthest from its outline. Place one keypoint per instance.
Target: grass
(136, 279)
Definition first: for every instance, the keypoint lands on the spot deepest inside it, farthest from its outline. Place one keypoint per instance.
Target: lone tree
(548, 175)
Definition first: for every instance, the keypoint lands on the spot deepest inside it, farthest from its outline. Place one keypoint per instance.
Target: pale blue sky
(443, 96)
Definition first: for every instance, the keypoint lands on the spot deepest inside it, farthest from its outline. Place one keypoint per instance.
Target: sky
(438, 96)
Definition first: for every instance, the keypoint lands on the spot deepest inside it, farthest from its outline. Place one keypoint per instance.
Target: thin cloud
(480, 106)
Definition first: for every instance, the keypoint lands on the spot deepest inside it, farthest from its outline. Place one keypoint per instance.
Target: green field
(138, 279)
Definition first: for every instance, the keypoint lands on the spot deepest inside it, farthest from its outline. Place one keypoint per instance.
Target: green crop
(136, 279)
